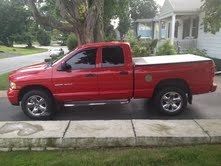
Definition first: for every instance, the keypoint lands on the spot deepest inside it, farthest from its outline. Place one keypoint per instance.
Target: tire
(171, 100)
(38, 105)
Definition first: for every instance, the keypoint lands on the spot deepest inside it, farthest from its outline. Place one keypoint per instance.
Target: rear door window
(112, 57)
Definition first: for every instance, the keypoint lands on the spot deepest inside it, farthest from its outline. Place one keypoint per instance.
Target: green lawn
(21, 50)
(4, 81)
(173, 156)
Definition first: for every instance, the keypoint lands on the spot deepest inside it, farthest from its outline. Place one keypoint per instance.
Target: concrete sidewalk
(3, 94)
(52, 135)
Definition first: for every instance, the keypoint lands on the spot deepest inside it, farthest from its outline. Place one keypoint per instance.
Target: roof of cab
(101, 44)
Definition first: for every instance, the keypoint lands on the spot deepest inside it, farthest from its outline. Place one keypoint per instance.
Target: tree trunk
(88, 27)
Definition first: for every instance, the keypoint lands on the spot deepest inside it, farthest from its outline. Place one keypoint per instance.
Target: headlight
(12, 85)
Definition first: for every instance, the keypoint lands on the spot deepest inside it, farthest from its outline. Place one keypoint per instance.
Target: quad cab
(102, 73)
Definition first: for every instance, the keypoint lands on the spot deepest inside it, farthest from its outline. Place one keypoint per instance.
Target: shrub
(141, 47)
(196, 51)
(43, 37)
(166, 49)
(72, 42)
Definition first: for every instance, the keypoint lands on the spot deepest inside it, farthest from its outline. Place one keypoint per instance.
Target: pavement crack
(133, 128)
(205, 131)
(66, 129)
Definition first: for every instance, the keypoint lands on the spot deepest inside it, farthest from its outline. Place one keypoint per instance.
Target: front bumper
(13, 96)
(214, 87)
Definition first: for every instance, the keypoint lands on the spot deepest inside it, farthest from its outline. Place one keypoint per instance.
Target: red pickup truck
(102, 73)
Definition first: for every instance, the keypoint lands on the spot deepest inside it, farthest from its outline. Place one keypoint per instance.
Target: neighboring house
(180, 21)
(144, 28)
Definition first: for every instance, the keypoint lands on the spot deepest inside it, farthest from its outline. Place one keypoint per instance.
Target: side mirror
(47, 60)
(65, 67)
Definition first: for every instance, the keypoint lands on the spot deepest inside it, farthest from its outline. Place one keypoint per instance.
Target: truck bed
(168, 59)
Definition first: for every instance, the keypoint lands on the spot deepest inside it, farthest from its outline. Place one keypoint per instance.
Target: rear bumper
(214, 87)
(13, 96)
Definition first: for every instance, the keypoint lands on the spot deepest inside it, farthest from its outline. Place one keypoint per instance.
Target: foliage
(140, 47)
(124, 25)
(116, 9)
(13, 19)
(167, 49)
(212, 19)
(140, 9)
(196, 51)
(43, 37)
(4, 81)
(72, 42)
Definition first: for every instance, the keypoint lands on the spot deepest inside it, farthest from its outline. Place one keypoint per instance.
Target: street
(207, 106)
(9, 64)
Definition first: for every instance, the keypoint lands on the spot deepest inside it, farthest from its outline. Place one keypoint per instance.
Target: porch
(180, 29)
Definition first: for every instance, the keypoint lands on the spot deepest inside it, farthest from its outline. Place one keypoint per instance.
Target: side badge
(148, 78)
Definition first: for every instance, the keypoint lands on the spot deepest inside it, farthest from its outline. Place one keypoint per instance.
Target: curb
(55, 135)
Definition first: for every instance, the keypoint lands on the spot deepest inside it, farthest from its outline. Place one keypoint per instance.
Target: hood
(33, 69)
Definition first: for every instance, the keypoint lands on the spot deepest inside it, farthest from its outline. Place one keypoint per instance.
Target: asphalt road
(207, 106)
(9, 64)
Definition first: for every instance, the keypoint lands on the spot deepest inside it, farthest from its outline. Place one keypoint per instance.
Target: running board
(95, 103)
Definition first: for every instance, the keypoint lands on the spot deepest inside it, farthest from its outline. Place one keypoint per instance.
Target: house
(181, 22)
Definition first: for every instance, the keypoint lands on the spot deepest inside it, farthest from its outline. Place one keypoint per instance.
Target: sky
(160, 2)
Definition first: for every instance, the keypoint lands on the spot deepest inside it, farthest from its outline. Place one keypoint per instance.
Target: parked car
(55, 52)
(104, 73)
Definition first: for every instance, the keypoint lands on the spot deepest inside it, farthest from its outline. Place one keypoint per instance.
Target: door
(80, 83)
(115, 76)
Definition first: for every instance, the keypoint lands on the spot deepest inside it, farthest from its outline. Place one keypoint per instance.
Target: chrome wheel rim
(171, 101)
(36, 105)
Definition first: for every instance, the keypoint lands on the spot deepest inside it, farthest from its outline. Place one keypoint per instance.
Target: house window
(176, 29)
(163, 30)
(195, 27)
(186, 28)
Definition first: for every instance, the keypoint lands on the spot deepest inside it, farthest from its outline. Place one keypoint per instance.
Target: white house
(182, 21)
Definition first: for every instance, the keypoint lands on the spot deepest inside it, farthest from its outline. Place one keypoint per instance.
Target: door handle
(90, 75)
(124, 73)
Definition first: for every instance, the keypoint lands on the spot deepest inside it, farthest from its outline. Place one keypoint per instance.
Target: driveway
(9, 64)
(207, 106)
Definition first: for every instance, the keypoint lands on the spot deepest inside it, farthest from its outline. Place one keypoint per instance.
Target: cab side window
(112, 56)
(83, 60)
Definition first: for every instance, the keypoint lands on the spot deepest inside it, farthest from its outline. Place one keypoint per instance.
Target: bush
(140, 47)
(72, 42)
(166, 49)
(196, 51)
(43, 38)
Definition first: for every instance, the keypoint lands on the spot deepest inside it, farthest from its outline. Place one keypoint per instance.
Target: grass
(173, 156)
(21, 50)
(4, 81)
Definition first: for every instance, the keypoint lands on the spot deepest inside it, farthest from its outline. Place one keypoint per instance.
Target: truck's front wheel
(38, 105)
(171, 100)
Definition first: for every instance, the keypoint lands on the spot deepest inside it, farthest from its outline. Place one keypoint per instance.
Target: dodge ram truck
(104, 73)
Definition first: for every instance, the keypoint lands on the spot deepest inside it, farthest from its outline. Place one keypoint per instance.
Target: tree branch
(49, 21)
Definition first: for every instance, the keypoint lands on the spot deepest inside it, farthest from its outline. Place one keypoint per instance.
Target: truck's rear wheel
(171, 100)
(38, 105)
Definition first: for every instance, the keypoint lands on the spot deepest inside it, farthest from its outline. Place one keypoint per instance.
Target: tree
(43, 37)
(212, 19)
(143, 9)
(13, 18)
(83, 17)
